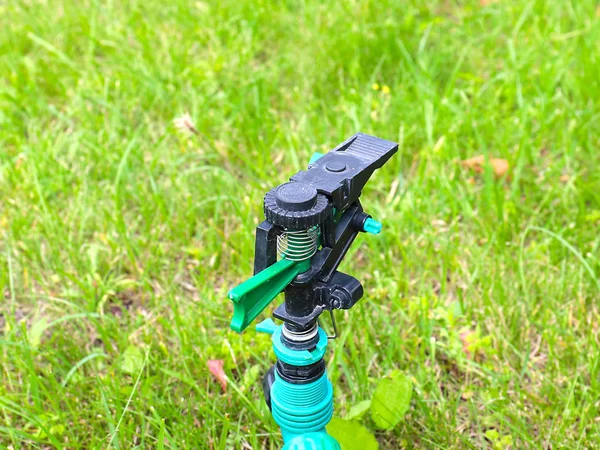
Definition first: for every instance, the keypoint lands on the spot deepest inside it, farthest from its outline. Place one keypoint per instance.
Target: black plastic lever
(342, 173)
(265, 246)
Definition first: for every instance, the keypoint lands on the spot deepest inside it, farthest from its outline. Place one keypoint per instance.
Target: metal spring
(298, 245)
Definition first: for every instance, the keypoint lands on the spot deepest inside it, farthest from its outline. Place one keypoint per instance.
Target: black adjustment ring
(296, 206)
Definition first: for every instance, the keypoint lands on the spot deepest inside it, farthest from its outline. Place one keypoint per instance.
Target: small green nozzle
(372, 226)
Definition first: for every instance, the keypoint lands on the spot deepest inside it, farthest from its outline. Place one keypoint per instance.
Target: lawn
(120, 234)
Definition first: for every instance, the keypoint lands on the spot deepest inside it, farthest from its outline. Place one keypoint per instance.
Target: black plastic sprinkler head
(311, 222)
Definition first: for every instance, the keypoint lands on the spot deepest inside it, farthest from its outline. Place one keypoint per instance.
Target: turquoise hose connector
(302, 411)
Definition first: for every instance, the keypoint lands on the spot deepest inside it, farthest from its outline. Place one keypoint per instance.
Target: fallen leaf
(467, 337)
(215, 366)
(564, 178)
(477, 164)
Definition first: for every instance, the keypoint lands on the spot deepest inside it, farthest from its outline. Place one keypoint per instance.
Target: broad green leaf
(391, 400)
(358, 410)
(132, 361)
(352, 435)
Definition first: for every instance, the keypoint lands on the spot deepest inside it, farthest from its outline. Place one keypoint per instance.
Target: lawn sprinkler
(311, 222)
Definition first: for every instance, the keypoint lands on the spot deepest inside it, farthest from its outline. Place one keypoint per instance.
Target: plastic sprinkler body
(311, 222)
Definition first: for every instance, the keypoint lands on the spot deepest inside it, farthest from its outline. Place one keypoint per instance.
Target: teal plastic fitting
(302, 410)
(313, 441)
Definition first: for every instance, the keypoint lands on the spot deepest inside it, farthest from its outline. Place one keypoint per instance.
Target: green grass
(119, 237)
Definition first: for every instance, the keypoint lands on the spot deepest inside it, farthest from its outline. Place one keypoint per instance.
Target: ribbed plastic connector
(299, 409)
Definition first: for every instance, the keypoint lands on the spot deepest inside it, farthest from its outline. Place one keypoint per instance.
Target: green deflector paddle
(252, 296)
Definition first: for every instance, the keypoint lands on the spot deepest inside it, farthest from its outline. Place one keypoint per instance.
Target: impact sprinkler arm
(252, 296)
(311, 223)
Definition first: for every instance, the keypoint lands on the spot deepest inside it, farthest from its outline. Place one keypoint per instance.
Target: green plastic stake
(252, 296)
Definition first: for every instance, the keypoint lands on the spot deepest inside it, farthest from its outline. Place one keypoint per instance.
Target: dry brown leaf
(466, 337)
(215, 366)
(564, 178)
(500, 166)
(477, 164)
